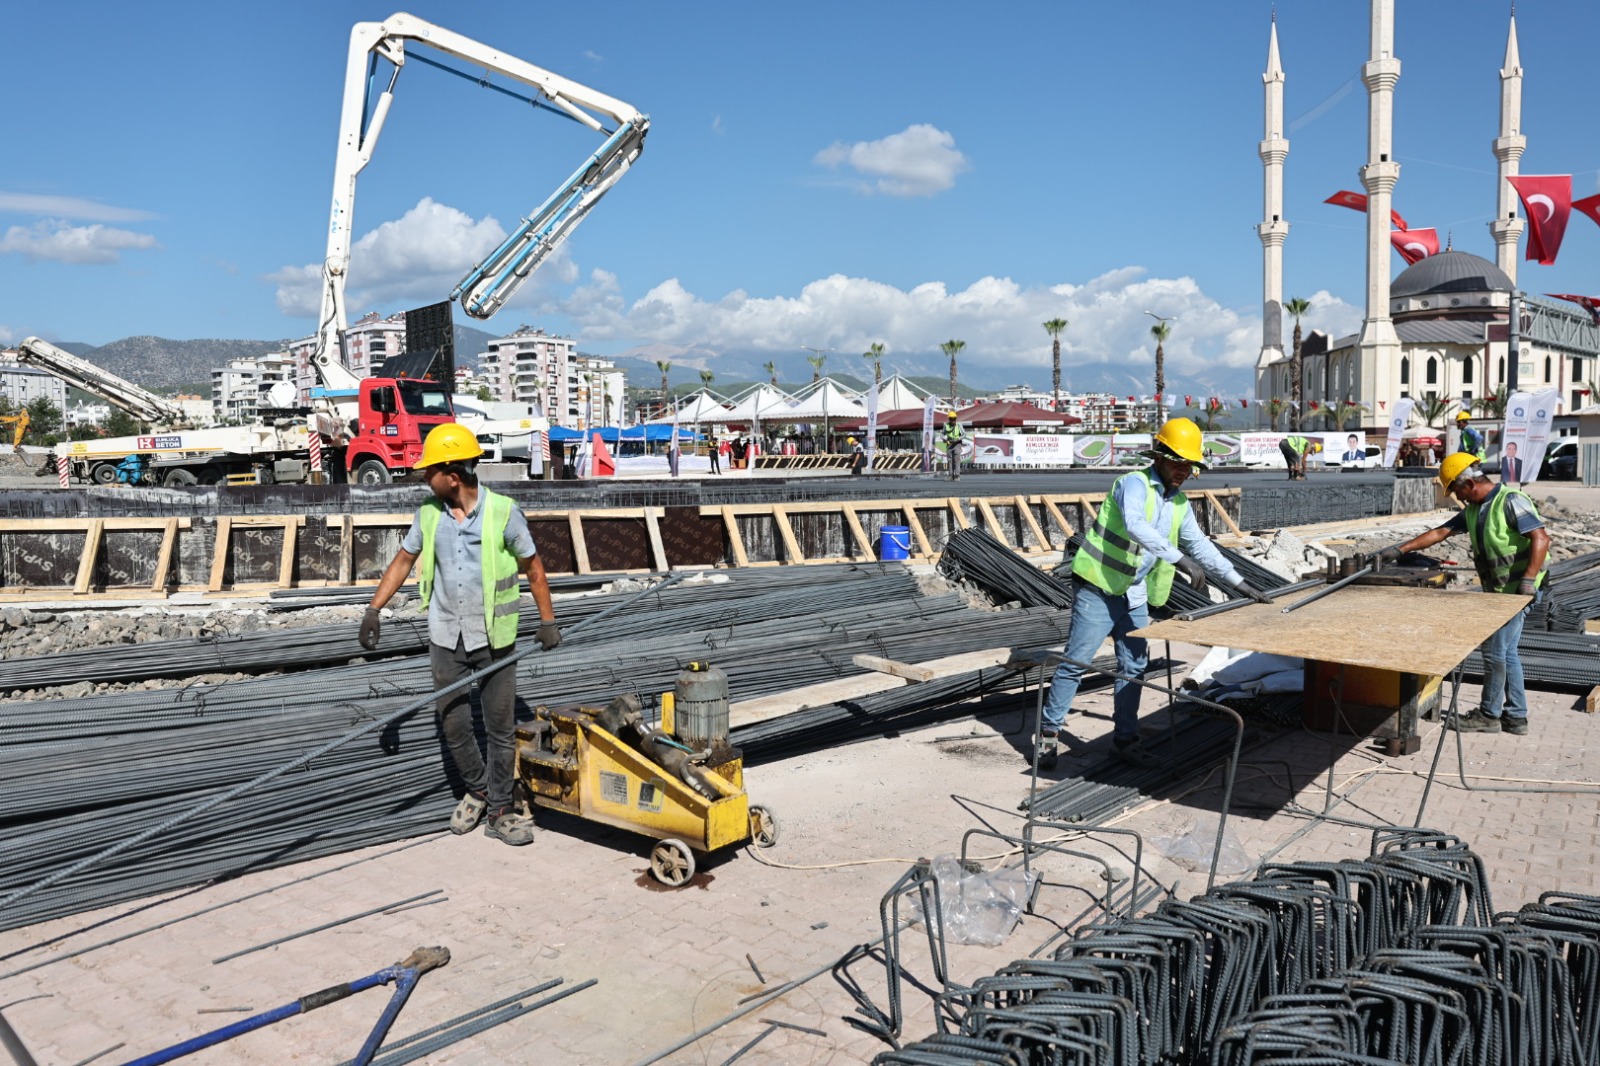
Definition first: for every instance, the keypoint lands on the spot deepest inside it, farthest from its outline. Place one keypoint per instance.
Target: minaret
(1273, 228)
(1507, 225)
(1380, 345)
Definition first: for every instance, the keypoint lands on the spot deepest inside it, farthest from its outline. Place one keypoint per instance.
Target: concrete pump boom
(137, 401)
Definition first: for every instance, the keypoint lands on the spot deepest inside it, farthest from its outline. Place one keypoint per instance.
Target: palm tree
(1433, 408)
(1274, 408)
(772, 372)
(1494, 404)
(1054, 328)
(816, 362)
(875, 357)
(664, 365)
(1296, 307)
(952, 349)
(1161, 331)
(706, 377)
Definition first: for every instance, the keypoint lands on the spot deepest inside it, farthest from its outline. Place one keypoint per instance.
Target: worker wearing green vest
(1471, 439)
(1509, 547)
(470, 546)
(1144, 535)
(1295, 448)
(954, 440)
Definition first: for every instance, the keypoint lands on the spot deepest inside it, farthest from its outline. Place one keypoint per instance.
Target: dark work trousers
(497, 692)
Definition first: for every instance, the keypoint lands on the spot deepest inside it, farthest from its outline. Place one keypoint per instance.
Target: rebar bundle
(1393, 959)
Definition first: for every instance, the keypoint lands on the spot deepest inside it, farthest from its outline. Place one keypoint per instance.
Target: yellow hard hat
(1316, 446)
(1181, 437)
(952, 414)
(1462, 416)
(849, 440)
(1454, 466)
(449, 443)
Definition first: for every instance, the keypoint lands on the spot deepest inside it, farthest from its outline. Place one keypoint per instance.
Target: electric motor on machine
(700, 707)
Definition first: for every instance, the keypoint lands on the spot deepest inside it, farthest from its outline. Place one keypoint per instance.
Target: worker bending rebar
(1144, 535)
(1509, 547)
(469, 546)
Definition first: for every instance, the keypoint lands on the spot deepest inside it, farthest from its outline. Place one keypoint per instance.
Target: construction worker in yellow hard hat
(1509, 546)
(1144, 536)
(469, 546)
(1295, 448)
(1471, 440)
(954, 440)
(858, 456)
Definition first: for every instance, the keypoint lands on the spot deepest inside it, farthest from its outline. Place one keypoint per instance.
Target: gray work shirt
(455, 611)
(1131, 494)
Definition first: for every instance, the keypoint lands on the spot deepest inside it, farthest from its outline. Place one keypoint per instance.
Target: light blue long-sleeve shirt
(1130, 494)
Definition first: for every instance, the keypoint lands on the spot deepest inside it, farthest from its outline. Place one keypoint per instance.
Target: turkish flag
(1590, 304)
(1547, 198)
(1313, 405)
(1415, 245)
(1188, 401)
(1357, 202)
(1244, 403)
(1589, 205)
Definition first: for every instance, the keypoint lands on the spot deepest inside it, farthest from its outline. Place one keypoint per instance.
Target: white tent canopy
(703, 406)
(829, 401)
(761, 402)
(898, 394)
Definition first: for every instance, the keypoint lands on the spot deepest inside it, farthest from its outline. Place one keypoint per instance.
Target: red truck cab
(396, 415)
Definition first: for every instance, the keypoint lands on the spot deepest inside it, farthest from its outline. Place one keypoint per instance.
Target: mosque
(1440, 329)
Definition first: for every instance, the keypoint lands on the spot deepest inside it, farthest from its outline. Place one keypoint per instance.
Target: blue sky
(822, 175)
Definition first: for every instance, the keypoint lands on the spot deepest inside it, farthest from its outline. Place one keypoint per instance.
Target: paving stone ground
(579, 905)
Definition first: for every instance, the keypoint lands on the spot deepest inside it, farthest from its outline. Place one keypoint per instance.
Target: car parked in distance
(1560, 461)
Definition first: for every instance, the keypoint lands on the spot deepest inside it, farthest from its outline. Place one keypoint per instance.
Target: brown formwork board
(1413, 631)
(1216, 503)
(94, 531)
(290, 524)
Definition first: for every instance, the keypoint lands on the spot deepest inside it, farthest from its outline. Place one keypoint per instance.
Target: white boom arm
(486, 288)
(137, 401)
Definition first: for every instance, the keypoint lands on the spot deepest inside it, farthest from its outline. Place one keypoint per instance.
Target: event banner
(927, 433)
(872, 429)
(1339, 448)
(1527, 431)
(1397, 429)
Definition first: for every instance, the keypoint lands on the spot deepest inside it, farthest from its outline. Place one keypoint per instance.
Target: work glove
(369, 629)
(1193, 573)
(548, 636)
(1526, 586)
(1384, 555)
(1244, 588)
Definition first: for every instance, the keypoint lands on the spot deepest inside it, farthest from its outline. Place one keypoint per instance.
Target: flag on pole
(1590, 304)
(1415, 245)
(1547, 198)
(1357, 202)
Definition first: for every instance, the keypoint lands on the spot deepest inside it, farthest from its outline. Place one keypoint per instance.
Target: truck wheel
(372, 472)
(180, 476)
(103, 473)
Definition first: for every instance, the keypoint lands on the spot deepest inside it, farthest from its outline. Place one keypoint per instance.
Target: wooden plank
(991, 520)
(91, 552)
(291, 534)
(1041, 542)
(852, 520)
(81, 525)
(219, 554)
(347, 550)
(580, 547)
(1416, 631)
(169, 541)
(1211, 494)
(1591, 702)
(924, 548)
(652, 526)
(958, 514)
(791, 546)
(1088, 506)
(897, 669)
(735, 540)
(1061, 519)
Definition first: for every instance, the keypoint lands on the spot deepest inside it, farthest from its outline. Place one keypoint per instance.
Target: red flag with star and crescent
(1547, 199)
(1357, 202)
(1415, 245)
(1590, 304)
(1589, 205)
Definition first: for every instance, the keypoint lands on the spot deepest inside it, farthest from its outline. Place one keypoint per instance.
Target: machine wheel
(372, 472)
(103, 473)
(671, 862)
(180, 476)
(763, 826)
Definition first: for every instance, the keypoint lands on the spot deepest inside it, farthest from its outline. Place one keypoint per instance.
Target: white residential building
(239, 389)
(596, 389)
(21, 385)
(531, 366)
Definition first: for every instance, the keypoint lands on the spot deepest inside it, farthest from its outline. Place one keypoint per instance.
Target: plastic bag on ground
(1189, 843)
(979, 907)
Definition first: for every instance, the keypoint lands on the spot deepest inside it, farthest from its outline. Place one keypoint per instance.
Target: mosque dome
(1449, 272)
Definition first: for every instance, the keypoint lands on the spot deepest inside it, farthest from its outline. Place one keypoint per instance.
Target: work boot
(1517, 727)
(468, 813)
(1048, 747)
(1134, 753)
(509, 827)
(1476, 721)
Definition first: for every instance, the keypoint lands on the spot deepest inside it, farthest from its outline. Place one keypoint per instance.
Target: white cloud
(59, 241)
(920, 160)
(414, 259)
(1001, 321)
(76, 207)
(8, 335)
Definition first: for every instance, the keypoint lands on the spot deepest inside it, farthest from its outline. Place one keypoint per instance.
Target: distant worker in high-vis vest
(1509, 547)
(470, 546)
(1144, 536)
(1471, 440)
(954, 440)
(1295, 448)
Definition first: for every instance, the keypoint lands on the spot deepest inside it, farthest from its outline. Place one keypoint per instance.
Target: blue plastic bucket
(894, 542)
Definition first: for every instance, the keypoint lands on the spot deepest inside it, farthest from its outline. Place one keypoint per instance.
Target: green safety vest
(1109, 558)
(1299, 444)
(952, 434)
(1499, 552)
(1472, 441)
(501, 588)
